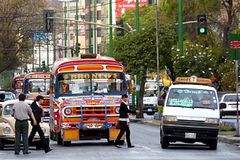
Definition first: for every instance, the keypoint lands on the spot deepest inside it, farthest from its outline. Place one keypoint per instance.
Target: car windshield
(230, 98)
(192, 98)
(8, 95)
(150, 93)
(8, 109)
(87, 83)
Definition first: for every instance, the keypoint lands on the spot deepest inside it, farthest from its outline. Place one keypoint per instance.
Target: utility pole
(180, 27)
(137, 16)
(138, 30)
(76, 26)
(110, 52)
(157, 49)
(89, 27)
(39, 54)
(65, 29)
(47, 51)
(95, 26)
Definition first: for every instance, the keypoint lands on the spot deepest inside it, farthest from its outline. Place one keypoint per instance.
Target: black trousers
(37, 128)
(21, 130)
(123, 128)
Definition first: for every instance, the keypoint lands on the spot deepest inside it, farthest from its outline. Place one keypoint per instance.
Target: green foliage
(197, 60)
(223, 127)
(160, 109)
(227, 75)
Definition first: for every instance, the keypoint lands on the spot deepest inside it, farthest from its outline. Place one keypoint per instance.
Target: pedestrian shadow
(84, 143)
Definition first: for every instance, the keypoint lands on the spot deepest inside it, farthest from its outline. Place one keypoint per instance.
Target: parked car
(8, 95)
(7, 123)
(230, 99)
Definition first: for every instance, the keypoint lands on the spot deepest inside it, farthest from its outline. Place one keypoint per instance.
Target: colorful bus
(85, 96)
(38, 83)
(17, 83)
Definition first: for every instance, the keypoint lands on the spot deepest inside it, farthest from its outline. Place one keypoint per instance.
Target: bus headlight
(169, 119)
(68, 111)
(117, 109)
(6, 130)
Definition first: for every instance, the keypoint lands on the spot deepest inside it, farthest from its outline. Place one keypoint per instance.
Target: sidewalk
(225, 137)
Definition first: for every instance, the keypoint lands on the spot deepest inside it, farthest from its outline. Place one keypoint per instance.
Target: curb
(229, 139)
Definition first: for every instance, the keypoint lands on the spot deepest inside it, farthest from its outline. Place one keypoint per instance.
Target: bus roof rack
(193, 80)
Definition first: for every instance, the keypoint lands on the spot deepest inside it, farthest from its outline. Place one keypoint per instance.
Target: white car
(230, 99)
(7, 125)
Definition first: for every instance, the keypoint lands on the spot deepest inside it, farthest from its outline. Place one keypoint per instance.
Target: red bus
(38, 83)
(18, 83)
(85, 96)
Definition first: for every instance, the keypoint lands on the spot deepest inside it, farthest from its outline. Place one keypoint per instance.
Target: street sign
(234, 47)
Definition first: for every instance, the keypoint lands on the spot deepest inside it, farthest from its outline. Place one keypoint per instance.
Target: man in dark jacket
(123, 122)
(38, 113)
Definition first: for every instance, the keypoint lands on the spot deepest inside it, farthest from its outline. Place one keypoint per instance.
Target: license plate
(149, 110)
(190, 135)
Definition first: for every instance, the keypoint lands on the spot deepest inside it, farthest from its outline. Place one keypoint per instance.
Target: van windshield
(192, 98)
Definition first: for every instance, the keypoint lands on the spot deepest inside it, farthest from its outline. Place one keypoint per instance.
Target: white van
(190, 114)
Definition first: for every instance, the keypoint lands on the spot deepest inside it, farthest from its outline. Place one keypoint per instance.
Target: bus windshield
(88, 83)
(192, 98)
(37, 85)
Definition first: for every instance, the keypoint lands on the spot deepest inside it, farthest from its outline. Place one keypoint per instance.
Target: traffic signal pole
(65, 29)
(137, 88)
(180, 27)
(95, 27)
(110, 50)
(76, 26)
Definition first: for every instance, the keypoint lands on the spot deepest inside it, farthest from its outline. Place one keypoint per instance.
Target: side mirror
(222, 105)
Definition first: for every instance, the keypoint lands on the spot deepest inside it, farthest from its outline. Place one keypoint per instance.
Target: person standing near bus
(21, 112)
(123, 122)
(38, 113)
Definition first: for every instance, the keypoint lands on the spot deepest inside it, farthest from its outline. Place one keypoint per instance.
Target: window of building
(98, 15)
(99, 32)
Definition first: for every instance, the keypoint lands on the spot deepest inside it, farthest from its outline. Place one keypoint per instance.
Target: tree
(19, 20)
(197, 60)
(137, 51)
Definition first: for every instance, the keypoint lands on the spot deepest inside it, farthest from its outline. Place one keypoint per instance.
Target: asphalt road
(146, 140)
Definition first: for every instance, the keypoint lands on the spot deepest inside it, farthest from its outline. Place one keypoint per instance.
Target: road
(146, 140)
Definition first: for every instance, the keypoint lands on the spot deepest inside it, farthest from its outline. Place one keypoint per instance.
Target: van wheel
(1, 144)
(213, 144)
(164, 143)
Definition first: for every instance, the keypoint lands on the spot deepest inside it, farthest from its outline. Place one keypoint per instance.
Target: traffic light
(120, 31)
(43, 65)
(78, 48)
(202, 24)
(48, 22)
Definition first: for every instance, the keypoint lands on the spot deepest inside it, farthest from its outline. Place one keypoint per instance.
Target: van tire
(164, 142)
(213, 144)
